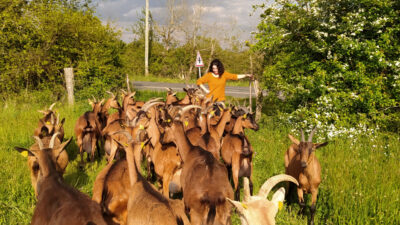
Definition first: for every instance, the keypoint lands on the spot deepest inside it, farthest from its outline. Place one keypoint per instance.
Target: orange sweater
(216, 85)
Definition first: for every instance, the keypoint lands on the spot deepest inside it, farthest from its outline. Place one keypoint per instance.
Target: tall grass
(360, 179)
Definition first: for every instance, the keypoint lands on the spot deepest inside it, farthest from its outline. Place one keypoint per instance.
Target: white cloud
(226, 14)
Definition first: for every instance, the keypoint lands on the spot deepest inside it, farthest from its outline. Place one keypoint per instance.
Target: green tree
(40, 38)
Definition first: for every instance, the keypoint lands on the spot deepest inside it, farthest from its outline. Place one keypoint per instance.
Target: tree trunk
(69, 80)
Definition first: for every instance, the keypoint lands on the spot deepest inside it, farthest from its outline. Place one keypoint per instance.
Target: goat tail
(209, 201)
(211, 214)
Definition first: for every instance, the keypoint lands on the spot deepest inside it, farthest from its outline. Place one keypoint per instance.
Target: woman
(216, 80)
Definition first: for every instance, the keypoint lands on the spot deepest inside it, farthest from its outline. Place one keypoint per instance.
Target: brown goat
(111, 190)
(111, 187)
(146, 205)
(87, 130)
(208, 134)
(57, 202)
(50, 124)
(59, 158)
(204, 179)
(302, 164)
(258, 210)
(237, 151)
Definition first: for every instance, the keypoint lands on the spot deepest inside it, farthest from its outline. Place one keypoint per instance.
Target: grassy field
(360, 178)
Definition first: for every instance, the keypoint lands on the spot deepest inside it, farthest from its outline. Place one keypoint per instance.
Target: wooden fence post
(69, 80)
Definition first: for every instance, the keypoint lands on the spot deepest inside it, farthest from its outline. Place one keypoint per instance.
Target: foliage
(40, 38)
(337, 62)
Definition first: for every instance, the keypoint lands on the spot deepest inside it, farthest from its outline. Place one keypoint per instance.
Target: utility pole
(146, 42)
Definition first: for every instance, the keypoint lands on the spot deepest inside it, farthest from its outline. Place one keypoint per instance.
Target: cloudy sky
(226, 15)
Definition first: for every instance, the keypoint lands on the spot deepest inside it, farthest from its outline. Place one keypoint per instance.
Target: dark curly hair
(219, 65)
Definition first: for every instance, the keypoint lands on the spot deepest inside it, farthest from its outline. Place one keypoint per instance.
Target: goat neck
(46, 159)
(180, 139)
(110, 103)
(130, 158)
(238, 127)
(222, 123)
(128, 100)
(152, 129)
(184, 101)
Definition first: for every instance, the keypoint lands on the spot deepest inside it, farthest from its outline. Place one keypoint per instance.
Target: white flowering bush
(336, 63)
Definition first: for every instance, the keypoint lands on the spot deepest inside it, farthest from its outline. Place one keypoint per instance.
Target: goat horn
(52, 119)
(302, 136)
(312, 134)
(58, 119)
(271, 182)
(188, 107)
(101, 102)
(39, 141)
(124, 132)
(112, 94)
(53, 138)
(94, 99)
(168, 89)
(205, 111)
(246, 189)
(52, 105)
(147, 107)
(154, 100)
(132, 94)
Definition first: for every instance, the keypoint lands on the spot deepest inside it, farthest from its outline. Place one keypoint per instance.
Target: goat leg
(301, 201)
(98, 146)
(314, 194)
(165, 182)
(251, 186)
(312, 212)
(94, 141)
(235, 176)
(79, 143)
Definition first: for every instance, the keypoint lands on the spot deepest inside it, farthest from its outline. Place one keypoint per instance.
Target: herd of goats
(192, 146)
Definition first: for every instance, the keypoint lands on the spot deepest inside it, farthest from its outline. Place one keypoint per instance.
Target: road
(159, 86)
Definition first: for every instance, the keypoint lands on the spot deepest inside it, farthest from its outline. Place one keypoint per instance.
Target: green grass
(360, 180)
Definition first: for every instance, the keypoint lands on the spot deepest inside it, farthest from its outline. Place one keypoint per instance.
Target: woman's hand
(250, 76)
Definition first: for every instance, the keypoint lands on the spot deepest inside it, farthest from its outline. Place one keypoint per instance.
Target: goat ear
(319, 145)
(241, 207)
(278, 198)
(25, 152)
(121, 144)
(293, 139)
(62, 147)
